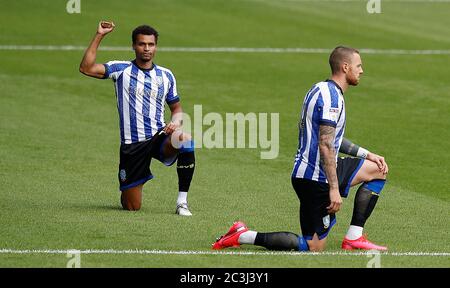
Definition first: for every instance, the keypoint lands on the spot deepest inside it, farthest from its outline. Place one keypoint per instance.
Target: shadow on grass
(95, 207)
(117, 207)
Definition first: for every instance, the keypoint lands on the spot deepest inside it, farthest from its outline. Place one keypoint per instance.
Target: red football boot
(361, 243)
(231, 239)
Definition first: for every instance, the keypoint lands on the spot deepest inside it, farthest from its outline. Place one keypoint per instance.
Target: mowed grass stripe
(229, 49)
(240, 253)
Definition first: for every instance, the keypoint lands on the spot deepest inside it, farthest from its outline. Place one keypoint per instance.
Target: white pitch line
(227, 49)
(238, 253)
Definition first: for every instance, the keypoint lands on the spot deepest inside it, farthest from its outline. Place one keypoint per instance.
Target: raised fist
(104, 27)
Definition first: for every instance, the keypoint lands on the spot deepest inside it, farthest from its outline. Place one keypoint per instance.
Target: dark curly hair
(145, 30)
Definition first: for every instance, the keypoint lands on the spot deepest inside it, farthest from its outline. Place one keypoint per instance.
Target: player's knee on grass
(316, 245)
(131, 199)
(131, 205)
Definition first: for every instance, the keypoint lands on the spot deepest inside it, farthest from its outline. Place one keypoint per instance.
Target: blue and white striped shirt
(323, 105)
(141, 95)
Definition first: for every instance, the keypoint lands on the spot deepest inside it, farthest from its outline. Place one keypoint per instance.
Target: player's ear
(345, 67)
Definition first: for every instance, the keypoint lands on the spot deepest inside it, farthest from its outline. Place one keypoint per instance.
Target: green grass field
(59, 135)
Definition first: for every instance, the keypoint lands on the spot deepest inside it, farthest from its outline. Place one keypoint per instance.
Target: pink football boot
(361, 243)
(231, 238)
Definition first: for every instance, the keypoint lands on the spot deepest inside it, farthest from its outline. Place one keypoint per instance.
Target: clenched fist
(104, 27)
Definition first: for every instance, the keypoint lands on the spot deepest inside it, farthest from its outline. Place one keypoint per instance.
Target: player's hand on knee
(379, 160)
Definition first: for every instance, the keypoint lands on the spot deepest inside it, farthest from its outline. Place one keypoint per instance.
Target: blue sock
(302, 244)
(375, 185)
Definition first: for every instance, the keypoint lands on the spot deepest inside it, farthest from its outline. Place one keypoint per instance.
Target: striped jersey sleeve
(329, 105)
(114, 68)
(172, 95)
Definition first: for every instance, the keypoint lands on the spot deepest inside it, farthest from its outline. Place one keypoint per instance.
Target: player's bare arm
(349, 148)
(176, 118)
(328, 161)
(88, 66)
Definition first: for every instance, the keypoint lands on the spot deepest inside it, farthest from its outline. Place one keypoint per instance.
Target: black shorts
(314, 197)
(135, 159)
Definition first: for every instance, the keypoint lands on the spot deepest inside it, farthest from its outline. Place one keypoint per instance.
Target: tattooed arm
(349, 148)
(328, 161)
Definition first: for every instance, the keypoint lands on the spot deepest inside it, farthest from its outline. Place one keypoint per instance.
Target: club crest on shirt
(157, 81)
(326, 221)
(157, 84)
(123, 175)
(140, 92)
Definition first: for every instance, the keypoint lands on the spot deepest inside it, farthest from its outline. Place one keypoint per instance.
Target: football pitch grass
(59, 135)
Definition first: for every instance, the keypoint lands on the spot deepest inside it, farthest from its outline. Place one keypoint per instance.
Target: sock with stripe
(365, 200)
